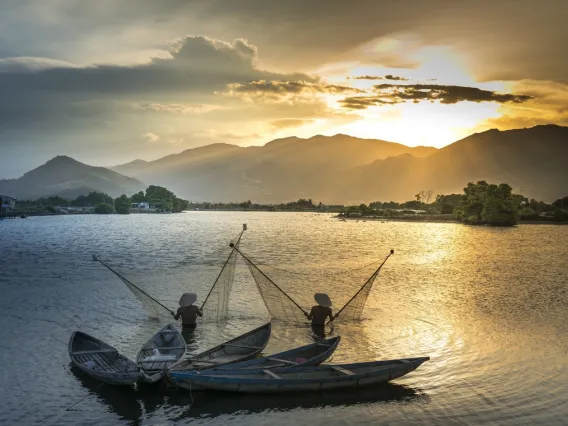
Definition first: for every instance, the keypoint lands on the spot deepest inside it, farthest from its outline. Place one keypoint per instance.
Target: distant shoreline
(438, 220)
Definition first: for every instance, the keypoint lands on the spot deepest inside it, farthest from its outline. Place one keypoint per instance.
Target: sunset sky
(110, 81)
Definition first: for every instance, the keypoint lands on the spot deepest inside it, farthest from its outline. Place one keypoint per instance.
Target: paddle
(96, 259)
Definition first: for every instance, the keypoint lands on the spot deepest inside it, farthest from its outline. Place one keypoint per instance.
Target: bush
(104, 208)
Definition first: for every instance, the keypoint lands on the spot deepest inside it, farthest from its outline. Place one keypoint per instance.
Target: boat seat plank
(343, 370)
(96, 351)
(234, 345)
(270, 373)
(282, 360)
(170, 348)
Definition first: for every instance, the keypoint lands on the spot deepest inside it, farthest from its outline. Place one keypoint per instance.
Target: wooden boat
(303, 356)
(242, 348)
(163, 350)
(101, 361)
(302, 379)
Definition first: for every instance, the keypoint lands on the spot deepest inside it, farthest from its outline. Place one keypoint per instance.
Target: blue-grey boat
(303, 356)
(301, 379)
(101, 361)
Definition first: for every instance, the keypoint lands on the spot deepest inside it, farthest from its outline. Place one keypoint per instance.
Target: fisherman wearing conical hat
(187, 310)
(321, 311)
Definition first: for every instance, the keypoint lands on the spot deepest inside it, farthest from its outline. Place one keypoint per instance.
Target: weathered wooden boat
(242, 348)
(101, 361)
(302, 379)
(303, 356)
(163, 350)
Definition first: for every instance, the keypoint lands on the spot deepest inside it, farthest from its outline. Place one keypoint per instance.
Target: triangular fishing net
(153, 308)
(278, 303)
(353, 310)
(216, 305)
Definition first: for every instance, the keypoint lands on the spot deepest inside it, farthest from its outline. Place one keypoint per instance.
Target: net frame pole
(95, 258)
(271, 282)
(374, 275)
(224, 265)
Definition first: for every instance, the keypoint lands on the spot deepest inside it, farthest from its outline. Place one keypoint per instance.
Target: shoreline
(439, 220)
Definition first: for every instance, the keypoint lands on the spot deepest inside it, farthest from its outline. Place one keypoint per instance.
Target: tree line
(158, 197)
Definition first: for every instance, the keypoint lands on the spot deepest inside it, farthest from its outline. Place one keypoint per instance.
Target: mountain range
(333, 169)
(68, 178)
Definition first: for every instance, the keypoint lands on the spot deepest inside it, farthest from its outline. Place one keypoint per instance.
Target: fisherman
(319, 313)
(188, 311)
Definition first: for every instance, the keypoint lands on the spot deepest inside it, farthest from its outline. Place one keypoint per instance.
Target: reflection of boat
(303, 356)
(242, 348)
(123, 401)
(302, 379)
(214, 404)
(164, 349)
(101, 361)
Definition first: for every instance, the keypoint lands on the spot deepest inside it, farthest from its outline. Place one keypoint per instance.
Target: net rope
(279, 304)
(216, 305)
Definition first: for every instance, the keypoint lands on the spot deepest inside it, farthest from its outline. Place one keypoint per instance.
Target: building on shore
(7, 204)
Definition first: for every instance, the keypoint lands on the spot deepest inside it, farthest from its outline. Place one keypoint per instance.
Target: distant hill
(337, 169)
(68, 178)
(281, 170)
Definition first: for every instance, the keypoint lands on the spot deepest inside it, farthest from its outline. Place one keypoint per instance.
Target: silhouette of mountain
(67, 177)
(283, 169)
(337, 169)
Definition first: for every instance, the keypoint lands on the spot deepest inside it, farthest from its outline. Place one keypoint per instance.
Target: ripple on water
(487, 305)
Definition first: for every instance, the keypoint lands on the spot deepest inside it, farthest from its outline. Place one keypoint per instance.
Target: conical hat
(187, 299)
(323, 299)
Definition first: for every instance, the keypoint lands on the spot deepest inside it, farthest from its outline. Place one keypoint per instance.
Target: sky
(111, 81)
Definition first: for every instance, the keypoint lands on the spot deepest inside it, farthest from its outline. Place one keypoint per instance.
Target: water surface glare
(489, 306)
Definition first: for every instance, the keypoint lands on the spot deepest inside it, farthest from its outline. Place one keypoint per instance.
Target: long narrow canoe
(303, 356)
(242, 348)
(101, 361)
(163, 350)
(303, 379)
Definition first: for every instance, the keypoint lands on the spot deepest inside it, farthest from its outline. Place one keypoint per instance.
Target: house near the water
(142, 205)
(7, 204)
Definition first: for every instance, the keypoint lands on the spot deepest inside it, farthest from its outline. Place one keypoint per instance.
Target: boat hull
(238, 381)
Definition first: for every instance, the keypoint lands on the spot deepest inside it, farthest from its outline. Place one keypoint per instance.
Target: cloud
(178, 108)
(375, 77)
(150, 137)
(287, 123)
(274, 91)
(400, 93)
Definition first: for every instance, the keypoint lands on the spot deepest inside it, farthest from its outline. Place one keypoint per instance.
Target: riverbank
(435, 219)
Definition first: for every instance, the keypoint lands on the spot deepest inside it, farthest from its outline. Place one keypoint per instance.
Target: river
(488, 305)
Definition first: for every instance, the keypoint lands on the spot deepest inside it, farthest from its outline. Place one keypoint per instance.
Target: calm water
(489, 306)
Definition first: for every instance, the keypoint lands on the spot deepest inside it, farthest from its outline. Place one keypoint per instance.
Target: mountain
(532, 161)
(283, 169)
(68, 178)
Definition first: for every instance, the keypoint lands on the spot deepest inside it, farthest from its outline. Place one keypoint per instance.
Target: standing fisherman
(319, 313)
(188, 311)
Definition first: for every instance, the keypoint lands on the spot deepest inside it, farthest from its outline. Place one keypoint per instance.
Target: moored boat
(303, 356)
(163, 350)
(241, 348)
(101, 361)
(302, 379)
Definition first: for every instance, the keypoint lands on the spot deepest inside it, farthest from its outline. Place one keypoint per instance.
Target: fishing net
(353, 310)
(152, 307)
(280, 305)
(216, 305)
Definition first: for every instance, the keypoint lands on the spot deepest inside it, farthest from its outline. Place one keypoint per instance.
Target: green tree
(483, 203)
(138, 198)
(122, 204)
(104, 208)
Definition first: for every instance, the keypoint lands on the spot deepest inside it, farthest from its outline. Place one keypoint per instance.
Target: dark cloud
(289, 123)
(289, 87)
(400, 93)
(376, 77)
